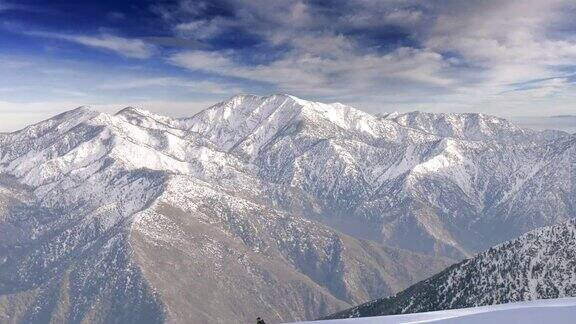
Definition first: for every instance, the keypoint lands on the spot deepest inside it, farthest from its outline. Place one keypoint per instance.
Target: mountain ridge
(536, 265)
(329, 205)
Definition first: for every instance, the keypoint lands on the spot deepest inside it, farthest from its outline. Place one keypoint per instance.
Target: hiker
(260, 321)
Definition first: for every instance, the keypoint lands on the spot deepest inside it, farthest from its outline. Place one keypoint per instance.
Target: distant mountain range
(259, 206)
(538, 265)
(565, 123)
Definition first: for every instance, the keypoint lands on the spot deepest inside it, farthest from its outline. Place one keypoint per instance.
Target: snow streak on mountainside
(540, 264)
(271, 206)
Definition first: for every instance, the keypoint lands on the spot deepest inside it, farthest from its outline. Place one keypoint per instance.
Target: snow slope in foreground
(556, 311)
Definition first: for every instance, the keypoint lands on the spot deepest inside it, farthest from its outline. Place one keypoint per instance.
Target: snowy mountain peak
(132, 111)
(260, 119)
(145, 118)
(45, 130)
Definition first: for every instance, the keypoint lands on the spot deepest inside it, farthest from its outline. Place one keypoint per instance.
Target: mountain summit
(258, 206)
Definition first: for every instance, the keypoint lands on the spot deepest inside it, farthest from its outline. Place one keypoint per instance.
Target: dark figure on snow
(260, 321)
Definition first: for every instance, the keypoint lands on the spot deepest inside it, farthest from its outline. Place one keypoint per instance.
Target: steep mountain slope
(127, 218)
(284, 267)
(538, 265)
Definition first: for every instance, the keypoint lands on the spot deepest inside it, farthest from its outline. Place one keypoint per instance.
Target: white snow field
(548, 311)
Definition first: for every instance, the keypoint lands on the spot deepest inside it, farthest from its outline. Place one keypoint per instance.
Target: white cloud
(451, 53)
(199, 86)
(344, 72)
(133, 48)
(448, 55)
(509, 40)
(540, 89)
(204, 28)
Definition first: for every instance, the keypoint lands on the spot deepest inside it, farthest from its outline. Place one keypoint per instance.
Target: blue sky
(509, 58)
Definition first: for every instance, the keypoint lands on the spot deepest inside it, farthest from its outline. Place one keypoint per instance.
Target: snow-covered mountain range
(259, 206)
(540, 264)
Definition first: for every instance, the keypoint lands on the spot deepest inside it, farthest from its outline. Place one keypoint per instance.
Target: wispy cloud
(508, 41)
(5, 6)
(313, 74)
(129, 47)
(503, 57)
(11, 62)
(410, 50)
(541, 88)
(200, 86)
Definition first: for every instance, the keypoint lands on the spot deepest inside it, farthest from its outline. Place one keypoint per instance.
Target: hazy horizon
(16, 121)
